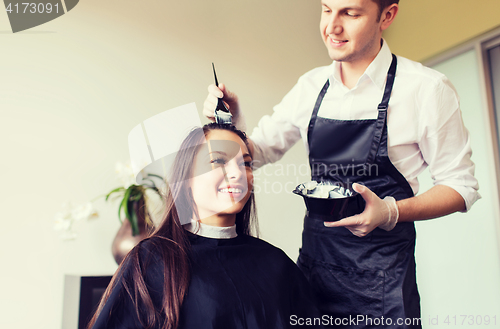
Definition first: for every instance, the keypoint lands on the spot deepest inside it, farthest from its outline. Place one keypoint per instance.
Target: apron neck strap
(388, 85)
(314, 115)
(381, 124)
(382, 110)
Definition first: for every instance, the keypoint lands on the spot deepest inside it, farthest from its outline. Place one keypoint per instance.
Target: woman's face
(222, 176)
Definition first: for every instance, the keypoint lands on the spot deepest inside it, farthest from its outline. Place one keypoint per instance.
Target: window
(492, 52)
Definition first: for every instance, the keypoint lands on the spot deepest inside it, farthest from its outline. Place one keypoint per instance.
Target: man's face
(351, 30)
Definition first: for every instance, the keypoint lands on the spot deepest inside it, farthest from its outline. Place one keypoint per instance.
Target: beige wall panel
(425, 28)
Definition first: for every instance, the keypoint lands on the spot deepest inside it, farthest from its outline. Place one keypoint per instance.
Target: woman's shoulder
(149, 248)
(267, 250)
(146, 258)
(258, 242)
(142, 264)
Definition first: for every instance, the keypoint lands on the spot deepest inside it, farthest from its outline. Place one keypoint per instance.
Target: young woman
(210, 272)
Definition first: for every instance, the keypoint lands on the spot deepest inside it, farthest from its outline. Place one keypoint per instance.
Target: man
(369, 110)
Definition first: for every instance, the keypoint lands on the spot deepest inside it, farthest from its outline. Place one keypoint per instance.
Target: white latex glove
(231, 101)
(378, 213)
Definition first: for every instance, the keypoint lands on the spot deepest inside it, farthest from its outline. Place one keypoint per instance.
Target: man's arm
(274, 135)
(445, 147)
(439, 201)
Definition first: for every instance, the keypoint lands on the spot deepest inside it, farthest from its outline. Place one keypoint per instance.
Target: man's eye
(351, 14)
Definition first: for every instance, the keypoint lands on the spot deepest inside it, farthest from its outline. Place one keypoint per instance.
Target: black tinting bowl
(346, 202)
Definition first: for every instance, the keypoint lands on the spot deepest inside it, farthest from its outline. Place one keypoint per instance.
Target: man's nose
(334, 25)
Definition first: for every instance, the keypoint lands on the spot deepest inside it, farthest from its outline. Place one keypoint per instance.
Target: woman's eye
(247, 164)
(218, 161)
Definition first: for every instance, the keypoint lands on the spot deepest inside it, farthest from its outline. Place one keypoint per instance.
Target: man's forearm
(258, 157)
(439, 201)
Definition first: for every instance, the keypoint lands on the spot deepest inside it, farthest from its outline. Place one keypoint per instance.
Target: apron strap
(314, 115)
(382, 112)
(391, 74)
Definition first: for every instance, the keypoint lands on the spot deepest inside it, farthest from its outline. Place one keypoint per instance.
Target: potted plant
(133, 210)
(132, 204)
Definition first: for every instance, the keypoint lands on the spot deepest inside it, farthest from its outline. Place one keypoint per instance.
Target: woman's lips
(234, 193)
(230, 190)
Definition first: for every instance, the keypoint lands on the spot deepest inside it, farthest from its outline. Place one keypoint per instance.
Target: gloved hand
(378, 213)
(231, 101)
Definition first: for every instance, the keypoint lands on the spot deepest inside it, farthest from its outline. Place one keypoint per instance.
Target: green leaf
(119, 189)
(152, 182)
(136, 197)
(137, 193)
(157, 176)
(156, 190)
(134, 222)
(124, 202)
(119, 211)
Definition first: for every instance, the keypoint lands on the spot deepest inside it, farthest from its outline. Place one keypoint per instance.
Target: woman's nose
(233, 170)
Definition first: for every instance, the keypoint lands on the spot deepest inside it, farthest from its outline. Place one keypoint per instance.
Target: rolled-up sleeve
(445, 142)
(277, 133)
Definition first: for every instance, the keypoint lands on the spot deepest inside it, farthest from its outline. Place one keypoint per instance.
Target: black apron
(370, 278)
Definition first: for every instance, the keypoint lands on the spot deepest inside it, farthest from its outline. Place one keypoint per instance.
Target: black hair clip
(221, 113)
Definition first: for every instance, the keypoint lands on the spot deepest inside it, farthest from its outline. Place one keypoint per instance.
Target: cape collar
(209, 231)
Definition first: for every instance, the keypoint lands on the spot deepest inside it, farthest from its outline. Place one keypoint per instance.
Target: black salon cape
(242, 282)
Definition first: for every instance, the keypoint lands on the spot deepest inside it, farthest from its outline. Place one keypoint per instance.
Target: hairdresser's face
(351, 30)
(222, 176)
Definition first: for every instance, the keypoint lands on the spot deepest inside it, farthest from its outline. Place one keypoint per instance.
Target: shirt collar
(376, 71)
(378, 68)
(209, 231)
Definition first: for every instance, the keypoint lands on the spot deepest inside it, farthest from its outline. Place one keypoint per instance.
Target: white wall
(458, 259)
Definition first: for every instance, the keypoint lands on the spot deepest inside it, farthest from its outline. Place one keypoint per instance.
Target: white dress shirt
(424, 123)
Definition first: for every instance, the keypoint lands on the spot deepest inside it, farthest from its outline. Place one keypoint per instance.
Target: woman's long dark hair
(170, 240)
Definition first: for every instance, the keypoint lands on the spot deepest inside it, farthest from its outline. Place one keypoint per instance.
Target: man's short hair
(382, 4)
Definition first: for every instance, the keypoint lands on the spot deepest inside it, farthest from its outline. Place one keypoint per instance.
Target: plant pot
(124, 241)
